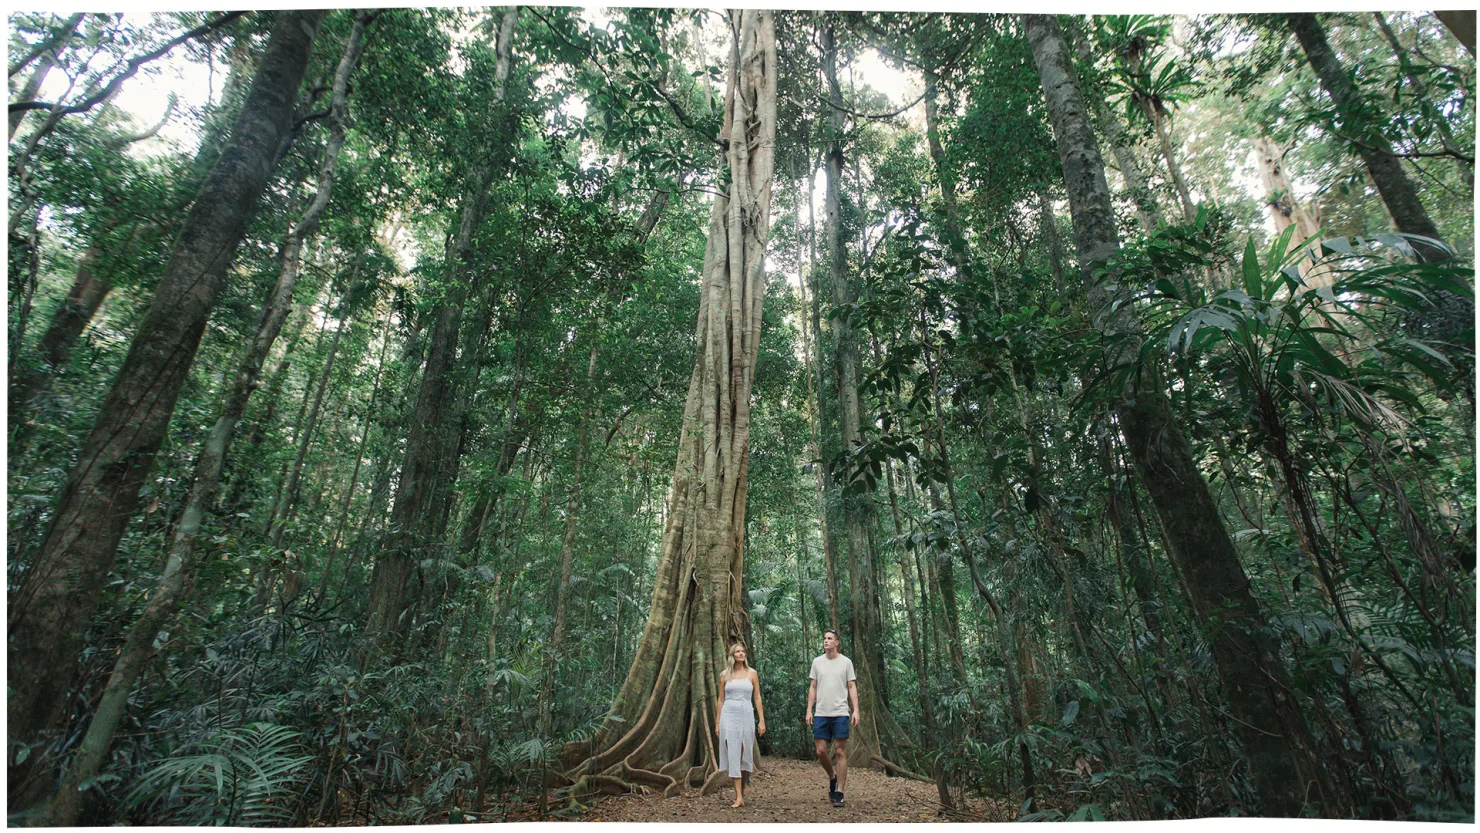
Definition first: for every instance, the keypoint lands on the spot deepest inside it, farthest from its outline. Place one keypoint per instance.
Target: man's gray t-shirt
(832, 676)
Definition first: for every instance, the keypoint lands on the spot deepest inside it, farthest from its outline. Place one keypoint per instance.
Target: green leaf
(1071, 711)
(1253, 283)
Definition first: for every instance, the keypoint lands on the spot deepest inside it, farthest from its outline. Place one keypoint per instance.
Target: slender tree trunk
(354, 477)
(1385, 168)
(1270, 723)
(812, 357)
(67, 803)
(66, 578)
(421, 494)
(954, 232)
(659, 730)
(283, 512)
(568, 545)
(886, 739)
(84, 298)
(257, 429)
(1159, 120)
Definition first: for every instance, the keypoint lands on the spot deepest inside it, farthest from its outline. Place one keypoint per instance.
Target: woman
(735, 719)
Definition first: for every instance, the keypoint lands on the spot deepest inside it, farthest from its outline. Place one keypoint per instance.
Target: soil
(788, 790)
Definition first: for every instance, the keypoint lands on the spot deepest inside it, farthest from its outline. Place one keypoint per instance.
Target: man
(834, 686)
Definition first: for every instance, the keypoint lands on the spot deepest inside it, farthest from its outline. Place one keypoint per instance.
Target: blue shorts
(830, 728)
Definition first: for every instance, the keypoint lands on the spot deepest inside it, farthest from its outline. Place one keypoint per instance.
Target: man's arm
(853, 698)
(811, 698)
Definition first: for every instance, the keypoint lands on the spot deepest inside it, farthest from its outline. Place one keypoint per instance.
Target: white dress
(737, 728)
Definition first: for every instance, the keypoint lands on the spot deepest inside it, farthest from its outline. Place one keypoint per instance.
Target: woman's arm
(760, 710)
(718, 707)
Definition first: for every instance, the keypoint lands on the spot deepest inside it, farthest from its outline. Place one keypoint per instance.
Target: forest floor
(788, 790)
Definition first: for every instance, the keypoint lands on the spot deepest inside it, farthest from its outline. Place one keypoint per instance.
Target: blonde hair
(729, 672)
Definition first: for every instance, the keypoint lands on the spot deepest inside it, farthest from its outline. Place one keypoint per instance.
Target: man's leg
(841, 745)
(822, 757)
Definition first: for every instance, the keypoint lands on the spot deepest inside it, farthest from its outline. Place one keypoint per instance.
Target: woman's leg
(739, 792)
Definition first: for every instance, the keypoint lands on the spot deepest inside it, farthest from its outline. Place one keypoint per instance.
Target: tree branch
(68, 27)
(169, 110)
(877, 116)
(130, 69)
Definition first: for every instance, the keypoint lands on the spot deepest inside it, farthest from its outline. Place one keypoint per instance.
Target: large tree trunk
(1461, 24)
(65, 579)
(659, 732)
(417, 515)
(1270, 723)
(137, 649)
(30, 378)
(1286, 211)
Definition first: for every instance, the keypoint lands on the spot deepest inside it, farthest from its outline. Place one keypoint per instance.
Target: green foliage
(988, 452)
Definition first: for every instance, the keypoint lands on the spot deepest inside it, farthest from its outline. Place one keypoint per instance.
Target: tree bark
(1158, 119)
(65, 580)
(1270, 723)
(91, 751)
(93, 282)
(86, 295)
(572, 511)
(812, 360)
(1461, 24)
(658, 731)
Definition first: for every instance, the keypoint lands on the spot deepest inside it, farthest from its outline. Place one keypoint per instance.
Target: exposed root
(714, 782)
(695, 776)
(895, 769)
(649, 778)
(601, 785)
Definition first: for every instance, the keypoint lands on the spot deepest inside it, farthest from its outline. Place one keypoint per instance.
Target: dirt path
(788, 790)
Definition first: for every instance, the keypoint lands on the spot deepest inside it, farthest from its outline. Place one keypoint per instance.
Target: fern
(242, 776)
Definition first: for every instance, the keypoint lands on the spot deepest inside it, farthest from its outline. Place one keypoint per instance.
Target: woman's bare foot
(739, 802)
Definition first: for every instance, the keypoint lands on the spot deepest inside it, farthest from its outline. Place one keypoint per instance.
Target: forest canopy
(410, 408)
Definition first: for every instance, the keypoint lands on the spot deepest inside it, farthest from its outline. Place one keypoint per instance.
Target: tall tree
(66, 805)
(881, 737)
(417, 516)
(1272, 726)
(1365, 135)
(658, 731)
(64, 579)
